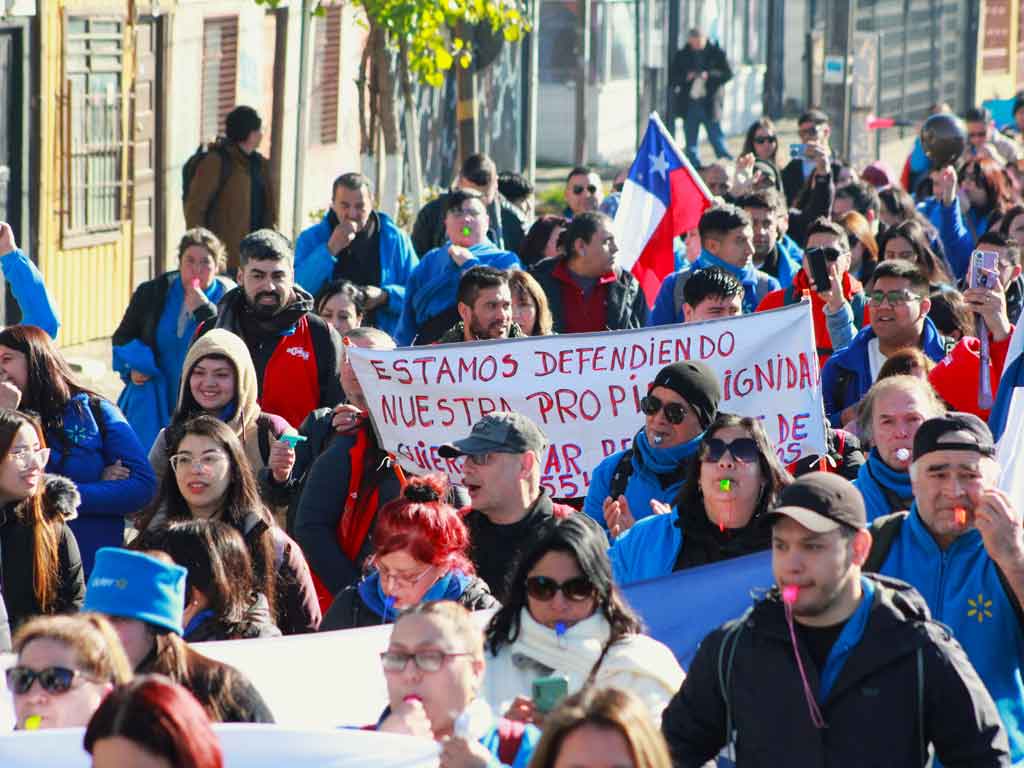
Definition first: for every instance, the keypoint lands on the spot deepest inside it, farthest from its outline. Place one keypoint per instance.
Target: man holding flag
(663, 197)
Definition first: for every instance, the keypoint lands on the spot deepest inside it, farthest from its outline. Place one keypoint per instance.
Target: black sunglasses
(830, 254)
(544, 589)
(52, 679)
(765, 139)
(742, 449)
(674, 412)
(578, 190)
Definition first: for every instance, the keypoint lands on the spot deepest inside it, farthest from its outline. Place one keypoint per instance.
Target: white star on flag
(659, 164)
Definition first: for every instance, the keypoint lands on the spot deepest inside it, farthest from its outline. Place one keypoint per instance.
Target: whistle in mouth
(466, 231)
(790, 593)
(960, 516)
(32, 722)
(725, 484)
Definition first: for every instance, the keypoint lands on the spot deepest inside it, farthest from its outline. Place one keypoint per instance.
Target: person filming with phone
(837, 297)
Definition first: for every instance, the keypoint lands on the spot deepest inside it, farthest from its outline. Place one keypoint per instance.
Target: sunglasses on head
(674, 412)
(765, 139)
(830, 254)
(578, 190)
(742, 449)
(52, 679)
(544, 589)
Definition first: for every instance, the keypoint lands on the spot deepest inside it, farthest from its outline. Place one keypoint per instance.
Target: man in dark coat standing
(699, 71)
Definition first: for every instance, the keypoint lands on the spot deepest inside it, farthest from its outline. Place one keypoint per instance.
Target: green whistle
(292, 440)
(725, 484)
(466, 231)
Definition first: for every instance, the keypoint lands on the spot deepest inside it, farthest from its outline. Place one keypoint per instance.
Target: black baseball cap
(499, 432)
(821, 502)
(954, 431)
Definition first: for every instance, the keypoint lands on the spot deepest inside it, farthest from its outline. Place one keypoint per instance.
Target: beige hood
(227, 344)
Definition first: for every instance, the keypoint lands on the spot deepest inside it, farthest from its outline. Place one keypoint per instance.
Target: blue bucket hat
(136, 586)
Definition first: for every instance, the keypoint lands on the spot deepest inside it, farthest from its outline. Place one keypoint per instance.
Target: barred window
(93, 138)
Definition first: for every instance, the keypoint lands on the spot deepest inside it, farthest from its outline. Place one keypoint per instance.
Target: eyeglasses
(401, 578)
(479, 459)
(766, 139)
(425, 661)
(590, 188)
(977, 135)
(52, 679)
(205, 464)
(809, 134)
(466, 213)
(674, 412)
(830, 253)
(742, 449)
(544, 589)
(24, 458)
(903, 296)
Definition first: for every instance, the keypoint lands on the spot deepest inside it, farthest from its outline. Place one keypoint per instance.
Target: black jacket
(457, 334)
(17, 546)
(873, 711)
(715, 63)
(235, 316)
(428, 231)
(348, 610)
(627, 304)
(147, 305)
(255, 623)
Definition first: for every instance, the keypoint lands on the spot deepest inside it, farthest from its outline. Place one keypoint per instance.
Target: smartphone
(983, 272)
(819, 269)
(549, 691)
(797, 150)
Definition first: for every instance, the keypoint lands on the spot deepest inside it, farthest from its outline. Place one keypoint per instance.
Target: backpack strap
(677, 292)
(510, 737)
(620, 478)
(884, 531)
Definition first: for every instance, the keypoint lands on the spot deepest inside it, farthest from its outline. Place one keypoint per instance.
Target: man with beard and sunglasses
(295, 352)
(679, 406)
(833, 666)
(485, 305)
(509, 512)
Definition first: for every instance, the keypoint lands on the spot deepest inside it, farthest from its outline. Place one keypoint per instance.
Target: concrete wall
(795, 58)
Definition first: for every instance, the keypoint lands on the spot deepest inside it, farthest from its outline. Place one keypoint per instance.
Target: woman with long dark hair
(565, 616)
(909, 241)
(719, 513)
(210, 477)
(89, 440)
(40, 565)
(987, 194)
(222, 600)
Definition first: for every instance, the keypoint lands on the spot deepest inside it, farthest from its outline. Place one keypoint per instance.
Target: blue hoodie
(963, 591)
(791, 260)
(852, 362)
(29, 289)
(647, 550)
(953, 232)
(874, 478)
(448, 587)
(314, 265)
(434, 283)
(644, 483)
(756, 285)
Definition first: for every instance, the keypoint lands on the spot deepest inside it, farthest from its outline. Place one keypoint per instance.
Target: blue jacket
(756, 285)
(433, 285)
(143, 405)
(100, 521)
(881, 486)
(953, 232)
(846, 376)
(791, 260)
(963, 591)
(647, 550)
(314, 265)
(29, 289)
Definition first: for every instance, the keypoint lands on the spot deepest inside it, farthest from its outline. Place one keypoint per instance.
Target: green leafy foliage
(430, 29)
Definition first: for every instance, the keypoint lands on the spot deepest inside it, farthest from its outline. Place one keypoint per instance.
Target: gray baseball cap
(499, 432)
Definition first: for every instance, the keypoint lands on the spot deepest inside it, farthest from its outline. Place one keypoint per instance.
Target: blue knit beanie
(136, 586)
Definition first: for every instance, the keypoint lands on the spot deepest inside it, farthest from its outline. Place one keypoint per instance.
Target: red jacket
(955, 377)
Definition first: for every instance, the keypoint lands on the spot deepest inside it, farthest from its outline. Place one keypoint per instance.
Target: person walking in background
(700, 70)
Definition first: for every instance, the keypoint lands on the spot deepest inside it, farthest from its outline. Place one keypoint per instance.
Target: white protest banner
(584, 390)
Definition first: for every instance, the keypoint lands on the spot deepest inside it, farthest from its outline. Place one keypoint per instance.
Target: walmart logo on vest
(980, 608)
(298, 352)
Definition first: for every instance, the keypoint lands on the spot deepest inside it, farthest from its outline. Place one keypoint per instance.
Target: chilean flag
(663, 197)
(1007, 420)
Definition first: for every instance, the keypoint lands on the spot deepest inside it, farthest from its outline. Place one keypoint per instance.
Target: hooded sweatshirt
(885, 490)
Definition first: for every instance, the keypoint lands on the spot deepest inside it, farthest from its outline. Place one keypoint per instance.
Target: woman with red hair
(419, 554)
(155, 723)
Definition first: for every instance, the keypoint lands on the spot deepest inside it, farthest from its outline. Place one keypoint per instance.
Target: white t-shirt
(875, 358)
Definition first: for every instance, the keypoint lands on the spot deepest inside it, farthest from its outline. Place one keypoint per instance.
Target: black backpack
(188, 170)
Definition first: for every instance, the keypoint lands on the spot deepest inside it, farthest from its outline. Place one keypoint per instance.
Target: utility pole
(533, 80)
(839, 22)
(582, 80)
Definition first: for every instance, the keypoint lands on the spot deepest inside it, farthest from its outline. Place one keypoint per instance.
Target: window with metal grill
(325, 81)
(93, 140)
(220, 74)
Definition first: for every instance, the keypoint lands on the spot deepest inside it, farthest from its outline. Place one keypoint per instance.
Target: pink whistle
(413, 697)
(195, 283)
(790, 593)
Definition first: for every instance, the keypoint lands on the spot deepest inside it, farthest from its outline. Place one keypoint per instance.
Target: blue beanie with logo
(136, 586)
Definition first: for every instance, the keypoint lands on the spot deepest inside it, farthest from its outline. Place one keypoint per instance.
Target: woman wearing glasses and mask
(681, 403)
(209, 477)
(434, 668)
(40, 567)
(419, 555)
(719, 513)
(565, 617)
(66, 666)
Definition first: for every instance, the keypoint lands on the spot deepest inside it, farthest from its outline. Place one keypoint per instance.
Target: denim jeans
(696, 116)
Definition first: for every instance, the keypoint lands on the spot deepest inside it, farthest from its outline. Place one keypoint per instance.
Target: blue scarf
(874, 478)
(664, 461)
(448, 587)
(197, 621)
(746, 275)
